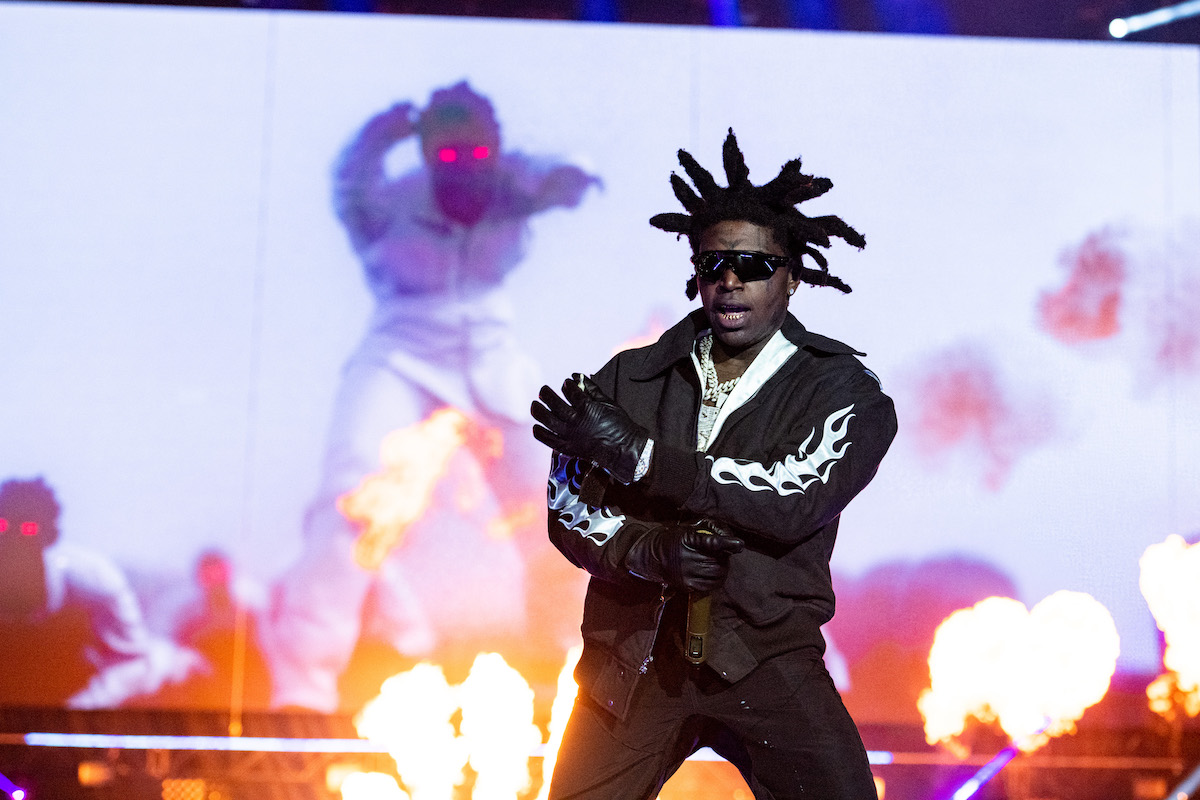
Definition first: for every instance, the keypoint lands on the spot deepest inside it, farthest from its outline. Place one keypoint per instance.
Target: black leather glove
(589, 426)
(694, 558)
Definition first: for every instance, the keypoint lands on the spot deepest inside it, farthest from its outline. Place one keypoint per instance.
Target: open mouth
(731, 315)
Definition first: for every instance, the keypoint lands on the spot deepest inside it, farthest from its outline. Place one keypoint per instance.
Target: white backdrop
(176, 295)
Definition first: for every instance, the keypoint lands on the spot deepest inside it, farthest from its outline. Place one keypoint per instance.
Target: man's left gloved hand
(589, 426)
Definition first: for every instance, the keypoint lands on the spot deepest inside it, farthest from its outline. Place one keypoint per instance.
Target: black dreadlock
(771, 205)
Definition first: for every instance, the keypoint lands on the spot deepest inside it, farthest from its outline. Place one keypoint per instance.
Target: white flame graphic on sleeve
(1170, 577)
(597, 524)
(797, 472)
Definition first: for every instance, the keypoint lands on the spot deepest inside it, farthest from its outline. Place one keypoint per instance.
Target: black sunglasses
(746, 264)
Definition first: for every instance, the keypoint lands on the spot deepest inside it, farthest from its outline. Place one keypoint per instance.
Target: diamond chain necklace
(713, 388)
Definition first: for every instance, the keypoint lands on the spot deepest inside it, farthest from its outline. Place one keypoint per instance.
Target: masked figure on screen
(436, 245)
(71, 630)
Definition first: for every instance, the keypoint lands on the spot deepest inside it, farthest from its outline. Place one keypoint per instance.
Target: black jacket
(778, 474)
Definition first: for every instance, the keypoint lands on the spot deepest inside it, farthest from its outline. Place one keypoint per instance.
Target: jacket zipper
(662, 605)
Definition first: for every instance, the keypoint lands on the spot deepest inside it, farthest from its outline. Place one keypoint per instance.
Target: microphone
(699, 615)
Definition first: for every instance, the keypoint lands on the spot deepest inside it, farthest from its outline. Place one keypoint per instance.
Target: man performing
(700, 480)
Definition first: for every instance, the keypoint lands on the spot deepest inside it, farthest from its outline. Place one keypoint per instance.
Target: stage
(135, 754)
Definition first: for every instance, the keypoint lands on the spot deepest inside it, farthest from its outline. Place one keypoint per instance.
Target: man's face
(462, 159)
(744, 314)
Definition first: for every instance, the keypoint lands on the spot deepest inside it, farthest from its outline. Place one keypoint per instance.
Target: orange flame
(497, 725)
(371, 786)
(1170, 582)
(1035, 672)
(564, 702)
(413, 459)
(411, 718)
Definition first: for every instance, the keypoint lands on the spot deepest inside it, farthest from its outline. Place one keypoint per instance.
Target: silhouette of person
(219, 617)
(70, 625)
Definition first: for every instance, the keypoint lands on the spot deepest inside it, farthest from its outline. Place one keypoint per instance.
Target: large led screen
(232, 330)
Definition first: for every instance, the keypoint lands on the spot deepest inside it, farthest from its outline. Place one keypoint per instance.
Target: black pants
(783, 726)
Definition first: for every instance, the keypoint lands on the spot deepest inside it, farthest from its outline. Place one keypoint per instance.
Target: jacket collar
(677, 343)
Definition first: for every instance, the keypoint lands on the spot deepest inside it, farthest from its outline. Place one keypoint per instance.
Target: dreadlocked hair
(771, 205)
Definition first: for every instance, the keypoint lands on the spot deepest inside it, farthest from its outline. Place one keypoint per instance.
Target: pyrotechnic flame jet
(497, 725)
(371, 786)
(1035, 672)
(1170, 582)
(411, 717)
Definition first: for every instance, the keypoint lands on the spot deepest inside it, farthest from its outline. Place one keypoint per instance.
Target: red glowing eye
(29, 528)
(481, 152)
(3, 525)
(448, 154)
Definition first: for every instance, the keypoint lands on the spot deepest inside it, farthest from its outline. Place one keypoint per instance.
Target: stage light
(985, 773)
(1121, 27)
(1148, 787)
(725, 13)
(1187, 788)
(239, 744)
(184, 789)
(254, 744)
(94, 773)
(13, 791)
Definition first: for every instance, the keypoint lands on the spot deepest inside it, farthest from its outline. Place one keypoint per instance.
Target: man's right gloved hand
(694, 558)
